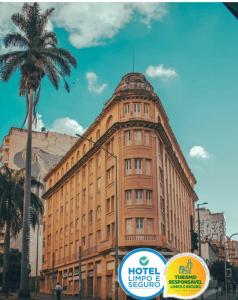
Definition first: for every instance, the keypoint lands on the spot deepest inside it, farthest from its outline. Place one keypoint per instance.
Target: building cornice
(158, 127)
(124, 96)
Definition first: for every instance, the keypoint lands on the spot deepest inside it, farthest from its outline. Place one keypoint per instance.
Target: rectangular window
(127, 137)
(139, 225)
(137, 137)
(149, 225)
(138, 165)
(98, 160)
(162, 205)
(110, 175)
(91, 190)
(128, 166)
(112, 203)
(126, 107)
(128, 196)
(149, 197)
(146, 109)
(90, 240)
(148, 166)
(99, 184)
(139, 196)
(108, 231)
(108, 209)
(147, 138)
(128, 226)
(98, 235)
(137, 108)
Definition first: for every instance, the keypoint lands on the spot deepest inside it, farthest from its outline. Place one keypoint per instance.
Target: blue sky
(189, 53)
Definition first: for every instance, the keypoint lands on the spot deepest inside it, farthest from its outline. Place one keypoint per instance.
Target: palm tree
(11, 210)
(38, 56)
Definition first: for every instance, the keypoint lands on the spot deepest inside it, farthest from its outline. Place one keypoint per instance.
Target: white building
(48, 149)
(212, 225)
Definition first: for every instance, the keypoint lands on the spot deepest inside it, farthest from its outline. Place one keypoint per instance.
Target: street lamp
(116, 219)
(199, 227)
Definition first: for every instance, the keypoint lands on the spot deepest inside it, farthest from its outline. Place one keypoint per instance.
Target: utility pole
(199, 233)
(80, 275)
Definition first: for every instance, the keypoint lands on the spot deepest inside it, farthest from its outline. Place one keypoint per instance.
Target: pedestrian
(58, 291)
(233, 288)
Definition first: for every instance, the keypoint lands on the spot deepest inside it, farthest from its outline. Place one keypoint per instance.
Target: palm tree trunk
(24, 292)
(6, 258)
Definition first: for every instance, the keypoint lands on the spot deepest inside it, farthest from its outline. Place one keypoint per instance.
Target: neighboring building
(212, 225)
(232, 252)
(220, 245)
(155, 193)
(48, 149)
(210, 252)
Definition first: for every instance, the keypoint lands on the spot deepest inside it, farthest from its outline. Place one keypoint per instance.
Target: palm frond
(13, 63)
(44, 19)
(55, 58)
(20, 21)
(51, 73)
(65, 54)
(4, 58)
(36, 203)
(49, 38)
(15, 40)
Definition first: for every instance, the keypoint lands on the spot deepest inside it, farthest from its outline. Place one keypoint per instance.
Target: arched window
(109, 122)
(78, 155)
(62, 171)
(98, 134)
(72, 161)
(50, 183)
(67, 166)
(84, 148)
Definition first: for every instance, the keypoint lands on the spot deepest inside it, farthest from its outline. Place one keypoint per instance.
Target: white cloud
(67, 126)
(161, 72)
(198, 152)
(93, 85)
(90, 24)
(64, 125)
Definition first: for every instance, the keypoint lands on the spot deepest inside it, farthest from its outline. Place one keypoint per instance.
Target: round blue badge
(141, 273)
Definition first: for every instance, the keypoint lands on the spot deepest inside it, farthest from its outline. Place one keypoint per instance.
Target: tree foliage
(37, 53)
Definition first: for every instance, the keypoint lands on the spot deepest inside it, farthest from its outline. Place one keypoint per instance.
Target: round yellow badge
(187, 276)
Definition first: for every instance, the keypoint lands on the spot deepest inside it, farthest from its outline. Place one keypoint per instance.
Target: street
(223, 297)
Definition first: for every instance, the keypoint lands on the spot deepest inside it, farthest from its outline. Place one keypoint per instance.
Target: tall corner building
(155, 193)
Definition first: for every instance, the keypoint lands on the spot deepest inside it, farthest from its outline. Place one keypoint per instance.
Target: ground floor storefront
(97, 278)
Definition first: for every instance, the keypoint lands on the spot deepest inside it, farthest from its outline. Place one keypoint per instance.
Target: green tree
(11, 210)
(38, 56)
(14, 269)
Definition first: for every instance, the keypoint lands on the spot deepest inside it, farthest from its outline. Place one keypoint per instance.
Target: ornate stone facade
(155, 193)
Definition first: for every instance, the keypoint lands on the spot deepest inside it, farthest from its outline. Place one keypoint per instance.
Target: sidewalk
(41, 297)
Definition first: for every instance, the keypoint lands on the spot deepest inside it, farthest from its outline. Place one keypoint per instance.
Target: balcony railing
(140, 237)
